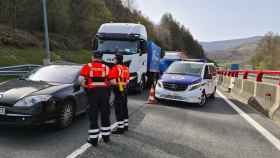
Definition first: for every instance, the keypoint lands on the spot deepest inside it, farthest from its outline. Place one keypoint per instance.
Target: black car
(50, 94)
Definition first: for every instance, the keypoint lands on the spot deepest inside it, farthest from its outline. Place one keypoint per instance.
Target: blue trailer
(154, 55)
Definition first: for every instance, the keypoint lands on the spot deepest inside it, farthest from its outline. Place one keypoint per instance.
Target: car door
(80, 94)
(212, 81)
(207, 80)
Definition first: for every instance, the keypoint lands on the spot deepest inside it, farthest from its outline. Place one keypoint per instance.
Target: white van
(190, 81)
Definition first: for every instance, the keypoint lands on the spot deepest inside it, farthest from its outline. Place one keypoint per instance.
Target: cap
(119, 56)
(97, 54)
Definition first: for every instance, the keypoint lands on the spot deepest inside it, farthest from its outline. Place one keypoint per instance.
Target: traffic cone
(152, 98)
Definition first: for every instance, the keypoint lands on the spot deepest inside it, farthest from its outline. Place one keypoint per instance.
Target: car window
(55, 74)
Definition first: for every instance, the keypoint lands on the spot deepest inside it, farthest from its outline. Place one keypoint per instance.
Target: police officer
(97, 83)
(121, 73)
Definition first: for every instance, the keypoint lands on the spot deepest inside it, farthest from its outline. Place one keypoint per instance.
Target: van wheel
(66, 115)
(203, 100)
(212, 96)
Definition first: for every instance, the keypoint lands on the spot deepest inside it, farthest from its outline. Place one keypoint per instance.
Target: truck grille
(175, 87)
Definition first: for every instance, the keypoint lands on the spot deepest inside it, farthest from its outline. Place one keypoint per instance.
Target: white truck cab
(190, 81)
(129, 39)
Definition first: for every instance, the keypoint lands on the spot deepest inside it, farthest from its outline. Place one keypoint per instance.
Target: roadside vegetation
(268, 53)
(73, 24)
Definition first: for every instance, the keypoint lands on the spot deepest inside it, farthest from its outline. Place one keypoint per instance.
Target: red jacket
(97, 74)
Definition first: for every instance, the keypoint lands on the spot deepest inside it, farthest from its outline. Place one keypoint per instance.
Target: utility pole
(47, 58)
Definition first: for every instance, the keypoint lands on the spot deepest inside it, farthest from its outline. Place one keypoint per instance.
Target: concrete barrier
(237, 88)
(263, 96)
(226, 82)
(248, 89)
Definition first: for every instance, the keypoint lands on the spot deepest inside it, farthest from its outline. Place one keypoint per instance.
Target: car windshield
(54, 74)
(185, 68)
(126, 47)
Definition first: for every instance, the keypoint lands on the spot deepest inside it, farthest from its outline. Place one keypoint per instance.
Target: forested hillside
(73, 23)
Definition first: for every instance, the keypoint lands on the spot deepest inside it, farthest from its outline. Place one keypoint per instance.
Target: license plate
(2, 111)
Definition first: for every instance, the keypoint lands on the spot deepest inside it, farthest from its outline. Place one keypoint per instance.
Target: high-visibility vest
(97, 75)
(123, 76)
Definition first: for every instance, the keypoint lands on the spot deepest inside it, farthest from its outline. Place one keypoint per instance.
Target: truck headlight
(31, 100)
(160, 84)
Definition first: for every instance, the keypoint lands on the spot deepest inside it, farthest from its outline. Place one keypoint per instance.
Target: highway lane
(169, 129)
(181, 130)
(48, 142)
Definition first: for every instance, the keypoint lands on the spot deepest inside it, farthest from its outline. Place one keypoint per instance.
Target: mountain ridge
(239, 50)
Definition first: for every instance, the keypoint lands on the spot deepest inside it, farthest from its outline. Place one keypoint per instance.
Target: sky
(214, 20)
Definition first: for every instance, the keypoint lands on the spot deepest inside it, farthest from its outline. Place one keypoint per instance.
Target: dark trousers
(99, 104)
(120, 104)
(125, 110)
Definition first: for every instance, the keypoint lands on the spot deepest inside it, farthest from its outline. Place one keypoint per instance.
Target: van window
(212, 70)
(206, 72)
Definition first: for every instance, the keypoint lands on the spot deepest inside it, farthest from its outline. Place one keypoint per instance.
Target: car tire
(212, 96)
(203, 100)
(66, 115)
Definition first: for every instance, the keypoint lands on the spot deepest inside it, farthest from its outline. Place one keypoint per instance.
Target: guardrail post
(245, 76)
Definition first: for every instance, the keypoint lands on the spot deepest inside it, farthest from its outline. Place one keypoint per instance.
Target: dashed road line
(86, 146)
(269, 136)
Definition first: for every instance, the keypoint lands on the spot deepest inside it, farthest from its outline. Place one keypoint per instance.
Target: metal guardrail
(259, 75)
(17, 70)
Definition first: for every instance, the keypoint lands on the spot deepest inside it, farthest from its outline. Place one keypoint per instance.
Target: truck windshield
(110, 46)
(185, 68)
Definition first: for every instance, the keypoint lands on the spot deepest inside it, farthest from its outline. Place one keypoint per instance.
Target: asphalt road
(169, 129)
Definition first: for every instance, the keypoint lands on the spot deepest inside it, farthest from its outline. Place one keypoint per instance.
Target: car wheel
(212, 96)
(203, 100)
(66, 115)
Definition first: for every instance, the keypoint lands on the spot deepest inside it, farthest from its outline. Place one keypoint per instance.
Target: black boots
(125, 128)
(118, 131)
(106, 139)
(93, 142)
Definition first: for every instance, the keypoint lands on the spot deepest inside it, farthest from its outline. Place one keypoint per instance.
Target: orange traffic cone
(152, 98)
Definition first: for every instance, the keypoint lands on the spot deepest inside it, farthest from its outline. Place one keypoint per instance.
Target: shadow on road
(217, 105)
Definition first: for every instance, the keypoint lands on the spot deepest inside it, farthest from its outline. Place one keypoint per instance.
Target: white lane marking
(86, 146)
(269, 136)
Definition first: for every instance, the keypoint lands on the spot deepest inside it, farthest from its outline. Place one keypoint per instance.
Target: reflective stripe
(120, 122)
(122, 126)
(107, 70)
(105, 128)
(126, 124)
(104, 73)
(93, 130)
(98, 84)
(93, 136)
(126, 120)
(106, 133)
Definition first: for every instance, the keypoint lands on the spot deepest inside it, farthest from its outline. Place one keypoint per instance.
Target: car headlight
(159, 83)
(195, 86)
(31, 100)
